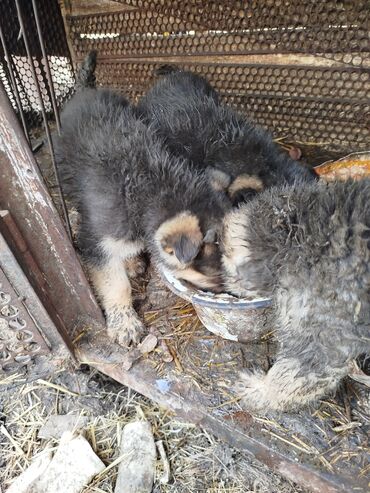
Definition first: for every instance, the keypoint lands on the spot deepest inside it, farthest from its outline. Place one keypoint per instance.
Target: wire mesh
(298, 68)
(20, 340)
(58, 57)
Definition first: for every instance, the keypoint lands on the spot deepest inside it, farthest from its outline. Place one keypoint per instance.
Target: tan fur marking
(245, 181)
(111, 281)
(112, 284)
(184, 223)
(113, 288)
(196, 278)
(235, 240)
(121, 248)
(135, 266)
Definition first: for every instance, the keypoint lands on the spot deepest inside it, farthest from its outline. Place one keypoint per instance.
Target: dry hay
(198, 462)
(332, 436)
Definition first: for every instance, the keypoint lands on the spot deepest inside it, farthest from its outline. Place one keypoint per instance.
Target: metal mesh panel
(299, 68)
(51, 23)
(20, 340)
(327, 121)
(162, 27)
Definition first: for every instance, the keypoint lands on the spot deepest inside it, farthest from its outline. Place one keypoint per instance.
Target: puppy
(132, 195)
(308, 248)
(237, 155)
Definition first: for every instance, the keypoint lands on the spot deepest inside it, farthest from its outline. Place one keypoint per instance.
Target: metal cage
(300, 69)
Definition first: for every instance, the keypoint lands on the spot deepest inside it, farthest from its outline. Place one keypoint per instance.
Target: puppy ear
(219, 180)
(182, 246)
(210, 236)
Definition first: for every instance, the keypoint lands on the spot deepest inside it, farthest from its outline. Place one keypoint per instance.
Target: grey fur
(308, 248)
(121, 178)
(188, 114)
(126, 185)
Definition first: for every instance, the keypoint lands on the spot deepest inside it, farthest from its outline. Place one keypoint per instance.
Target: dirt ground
(198, 461)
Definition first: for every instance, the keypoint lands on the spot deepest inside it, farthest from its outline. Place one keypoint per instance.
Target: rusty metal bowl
(236, 319)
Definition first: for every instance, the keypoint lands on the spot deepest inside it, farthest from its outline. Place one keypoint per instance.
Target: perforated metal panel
(298, 68)
(20, 340)
(15, 61)
(159, 27)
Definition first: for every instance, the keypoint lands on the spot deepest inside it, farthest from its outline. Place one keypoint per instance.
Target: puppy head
(191, 253)
(179, 239)
(205, 270)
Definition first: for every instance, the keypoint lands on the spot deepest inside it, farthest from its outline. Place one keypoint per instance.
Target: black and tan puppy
(239, 156)
(308, 247)
(133, 195)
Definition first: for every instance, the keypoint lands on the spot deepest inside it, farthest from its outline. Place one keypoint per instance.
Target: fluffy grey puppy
(308, 248)
(133, 195)
(239, 156)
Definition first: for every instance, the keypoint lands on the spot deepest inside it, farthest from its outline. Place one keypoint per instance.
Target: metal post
(14, 83)
(46, 124)
(47, 66)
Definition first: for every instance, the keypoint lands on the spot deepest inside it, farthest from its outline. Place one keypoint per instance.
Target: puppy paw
(135, 266)
(255, 392)
(124, 326)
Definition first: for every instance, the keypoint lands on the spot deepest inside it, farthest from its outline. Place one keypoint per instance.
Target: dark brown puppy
(238, 156)
(133, 195)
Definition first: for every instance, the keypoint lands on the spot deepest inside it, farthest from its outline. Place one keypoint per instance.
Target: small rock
(148, 344)
(136, 471)
(37, 467)
(57, 424)
(72, 468)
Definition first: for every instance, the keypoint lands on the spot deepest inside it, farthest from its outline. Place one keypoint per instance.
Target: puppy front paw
(255, 392)
(124, 326)
(135, 266)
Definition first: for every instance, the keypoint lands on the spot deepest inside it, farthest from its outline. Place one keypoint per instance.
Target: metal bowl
(236, 319)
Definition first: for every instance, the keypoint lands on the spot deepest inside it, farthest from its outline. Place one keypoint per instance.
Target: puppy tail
(86, 73)
(167, 69)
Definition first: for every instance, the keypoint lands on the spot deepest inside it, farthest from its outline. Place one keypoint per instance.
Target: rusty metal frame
(24, 194)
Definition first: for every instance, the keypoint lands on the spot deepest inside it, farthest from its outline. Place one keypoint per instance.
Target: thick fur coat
(133, 195)
(308, 247)
(188, 114)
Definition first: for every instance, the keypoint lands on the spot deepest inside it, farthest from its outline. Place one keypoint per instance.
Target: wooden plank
(92, 7)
